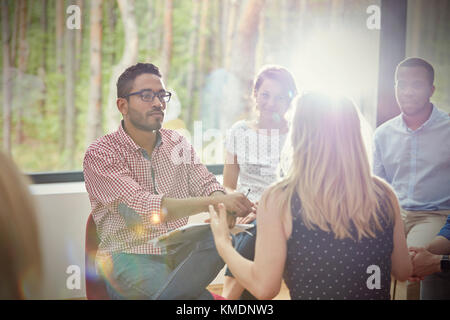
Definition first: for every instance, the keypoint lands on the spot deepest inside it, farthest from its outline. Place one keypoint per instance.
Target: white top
(258, 154)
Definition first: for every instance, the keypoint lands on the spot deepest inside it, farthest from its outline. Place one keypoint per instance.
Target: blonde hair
(329, 169)
(20, 264)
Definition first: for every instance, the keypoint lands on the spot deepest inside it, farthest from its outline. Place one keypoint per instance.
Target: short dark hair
(279, 74)
(126, 79)
(417, 62)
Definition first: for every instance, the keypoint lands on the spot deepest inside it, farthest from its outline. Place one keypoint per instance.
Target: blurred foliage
(40, 149)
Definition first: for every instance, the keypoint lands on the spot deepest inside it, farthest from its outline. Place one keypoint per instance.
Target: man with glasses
(412, 153)
(143, 182)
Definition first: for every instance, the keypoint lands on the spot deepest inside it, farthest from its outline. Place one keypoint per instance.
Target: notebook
(191, 232)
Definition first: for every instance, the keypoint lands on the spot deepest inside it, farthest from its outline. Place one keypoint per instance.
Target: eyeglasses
(148, 95)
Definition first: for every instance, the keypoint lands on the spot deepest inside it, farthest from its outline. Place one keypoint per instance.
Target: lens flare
(155, 217)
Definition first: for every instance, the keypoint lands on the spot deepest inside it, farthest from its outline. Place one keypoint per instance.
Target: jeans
(245, 245)
(183, 273)
(420, 229)
(436, 287)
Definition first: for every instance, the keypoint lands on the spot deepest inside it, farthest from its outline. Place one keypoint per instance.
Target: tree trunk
(202, 42)
(94, 120)
(217, 21)
(168, 39)
(129, 58)
(191, 76)
(244, 54)
(112, 22)
(79, 37)
(15, 33)
(225, 7)
(70, 114)
(42, 71)
(7, 92)
(60, 25)
(151, 25)
(231, 30)
(22, 63)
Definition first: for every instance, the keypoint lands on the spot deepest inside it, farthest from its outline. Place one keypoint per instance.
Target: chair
(95, 284)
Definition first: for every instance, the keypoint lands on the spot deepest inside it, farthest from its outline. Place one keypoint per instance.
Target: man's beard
(138, 121)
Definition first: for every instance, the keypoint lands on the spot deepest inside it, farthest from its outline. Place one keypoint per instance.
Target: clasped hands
(424, 263)
(233, 208)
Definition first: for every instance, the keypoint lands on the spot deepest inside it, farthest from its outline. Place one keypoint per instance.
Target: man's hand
(424, 263)
(236, 204)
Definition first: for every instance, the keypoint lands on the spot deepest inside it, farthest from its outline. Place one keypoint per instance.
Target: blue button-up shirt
(445, 231)
(416, 163)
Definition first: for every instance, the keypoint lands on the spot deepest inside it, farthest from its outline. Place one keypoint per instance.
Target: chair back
(95, 284)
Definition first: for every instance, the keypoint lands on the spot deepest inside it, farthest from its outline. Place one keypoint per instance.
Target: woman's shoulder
(240, 125)
(386, 196)
(383, 189)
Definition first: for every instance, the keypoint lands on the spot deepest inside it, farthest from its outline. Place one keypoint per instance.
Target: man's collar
(130, 142)
(431, 118)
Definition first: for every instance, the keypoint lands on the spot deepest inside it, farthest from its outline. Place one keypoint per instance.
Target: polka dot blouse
(318, 266)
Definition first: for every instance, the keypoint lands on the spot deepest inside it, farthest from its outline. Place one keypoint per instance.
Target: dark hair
(279, 74)
(417, 62)
(126, 79)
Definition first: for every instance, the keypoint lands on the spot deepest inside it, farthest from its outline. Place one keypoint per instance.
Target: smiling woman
(253, 150)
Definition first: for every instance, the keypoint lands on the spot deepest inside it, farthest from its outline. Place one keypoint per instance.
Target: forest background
(61, 60)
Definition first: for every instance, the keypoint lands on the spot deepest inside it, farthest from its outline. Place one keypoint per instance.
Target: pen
(234, 213)
(247, 232)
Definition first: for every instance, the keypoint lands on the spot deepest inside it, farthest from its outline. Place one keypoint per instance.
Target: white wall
(63, 210)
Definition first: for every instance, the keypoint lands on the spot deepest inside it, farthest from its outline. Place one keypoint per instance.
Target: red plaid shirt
(124, 194)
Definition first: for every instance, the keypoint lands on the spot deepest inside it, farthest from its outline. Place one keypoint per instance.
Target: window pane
(63, 66)
(428, 37)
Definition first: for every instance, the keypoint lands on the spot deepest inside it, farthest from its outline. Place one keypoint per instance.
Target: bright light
(341, 63)
(155, 217)
(335, 63)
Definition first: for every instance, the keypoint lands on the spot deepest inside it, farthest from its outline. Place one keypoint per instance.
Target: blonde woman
(329, 228)
(20, 259)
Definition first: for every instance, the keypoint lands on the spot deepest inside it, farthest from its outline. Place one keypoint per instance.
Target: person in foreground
(144, 181)
(329, 228)
(20, 252)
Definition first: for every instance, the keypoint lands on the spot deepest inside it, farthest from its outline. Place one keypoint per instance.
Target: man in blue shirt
(432, 265)
(412, 153)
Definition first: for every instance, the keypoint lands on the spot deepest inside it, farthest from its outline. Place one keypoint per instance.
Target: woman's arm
(263, 276)
(401, 262)
(230, 172)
